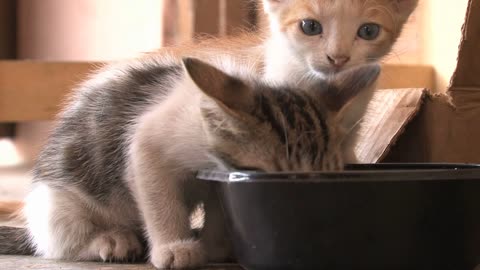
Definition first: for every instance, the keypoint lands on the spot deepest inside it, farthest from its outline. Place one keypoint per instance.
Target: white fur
(281, 63)
(64, 224)
(38, 210)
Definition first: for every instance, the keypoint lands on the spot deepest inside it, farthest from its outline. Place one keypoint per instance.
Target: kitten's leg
(214, 234)
(160, 197)
(113, 245)
(62, 227)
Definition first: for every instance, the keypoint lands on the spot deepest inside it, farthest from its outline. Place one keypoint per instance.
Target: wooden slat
(207, 17)
(26, 262)
(407, 76)
(239, 15)
(178, 21)
(185, 20)
(31, 90)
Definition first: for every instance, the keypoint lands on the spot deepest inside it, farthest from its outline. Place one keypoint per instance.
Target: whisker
(350, 130)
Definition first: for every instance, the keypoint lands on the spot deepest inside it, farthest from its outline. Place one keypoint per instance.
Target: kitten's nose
(338, 60)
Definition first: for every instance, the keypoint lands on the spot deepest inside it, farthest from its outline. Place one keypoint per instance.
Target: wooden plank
(186, 18)
(238, 15)
(207, 17)
(406, 76)
(31, 90)
(27, 262)
(185, 21)
(178, 21)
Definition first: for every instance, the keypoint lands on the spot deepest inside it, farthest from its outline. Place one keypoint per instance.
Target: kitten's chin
(323, 71)
(326, 71)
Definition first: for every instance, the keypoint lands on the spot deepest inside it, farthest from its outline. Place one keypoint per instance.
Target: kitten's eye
(311, 27)
(369, 31)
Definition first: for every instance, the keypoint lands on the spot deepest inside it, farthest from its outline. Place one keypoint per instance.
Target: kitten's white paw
(115, 246)
(178, 255)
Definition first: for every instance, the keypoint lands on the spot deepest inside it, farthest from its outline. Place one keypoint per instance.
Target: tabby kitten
(120, 165)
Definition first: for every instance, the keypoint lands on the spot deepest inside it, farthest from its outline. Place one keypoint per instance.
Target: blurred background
(77, 31)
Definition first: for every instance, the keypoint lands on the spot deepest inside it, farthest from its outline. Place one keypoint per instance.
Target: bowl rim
(386, 172)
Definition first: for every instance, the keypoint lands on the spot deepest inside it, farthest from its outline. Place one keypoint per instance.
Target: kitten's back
(87, 148)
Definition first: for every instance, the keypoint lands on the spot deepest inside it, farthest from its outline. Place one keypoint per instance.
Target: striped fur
(117, 170)
(14, 241)
(302, 127)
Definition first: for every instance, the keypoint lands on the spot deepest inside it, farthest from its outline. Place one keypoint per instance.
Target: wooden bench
(36, 90)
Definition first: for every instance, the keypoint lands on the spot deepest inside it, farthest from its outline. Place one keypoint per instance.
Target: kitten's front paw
(113, 246)
(178, 255)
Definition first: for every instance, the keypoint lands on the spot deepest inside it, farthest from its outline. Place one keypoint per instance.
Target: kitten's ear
(405, 7)
(230, 93)
(346, 85)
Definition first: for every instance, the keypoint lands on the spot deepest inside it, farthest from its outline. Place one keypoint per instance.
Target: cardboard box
(447, 126)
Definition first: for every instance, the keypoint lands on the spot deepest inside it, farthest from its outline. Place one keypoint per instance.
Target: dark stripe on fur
(270, 117)
(314, 152)
(322, 123)
(285, 104)
(15, 241)
(302, 103)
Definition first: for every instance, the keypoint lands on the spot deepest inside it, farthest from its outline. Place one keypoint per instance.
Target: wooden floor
(32, 263)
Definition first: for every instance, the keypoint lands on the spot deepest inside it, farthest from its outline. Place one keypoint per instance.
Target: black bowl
(369, 217)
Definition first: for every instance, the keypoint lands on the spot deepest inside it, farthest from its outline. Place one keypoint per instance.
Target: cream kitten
(116, 177)
(309, 39)
(318, 37)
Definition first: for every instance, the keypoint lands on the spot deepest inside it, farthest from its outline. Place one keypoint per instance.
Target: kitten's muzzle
(338, 61)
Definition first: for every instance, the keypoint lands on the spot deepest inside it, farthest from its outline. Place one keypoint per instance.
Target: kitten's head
(332, 35)
(252, 125)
